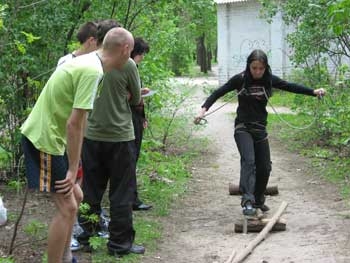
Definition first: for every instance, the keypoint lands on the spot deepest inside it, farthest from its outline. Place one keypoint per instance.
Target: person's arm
(234, 83)
(75, 133)
(134, 85)
(281, 84)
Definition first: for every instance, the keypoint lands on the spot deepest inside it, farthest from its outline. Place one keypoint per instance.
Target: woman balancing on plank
(254, 87)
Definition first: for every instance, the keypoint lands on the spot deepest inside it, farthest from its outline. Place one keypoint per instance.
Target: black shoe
(141, 207)
(248, 209)
(263, 208)
(135, 249)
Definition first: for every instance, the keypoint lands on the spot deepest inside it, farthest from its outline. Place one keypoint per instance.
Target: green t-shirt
(111, 118)
(72, 85)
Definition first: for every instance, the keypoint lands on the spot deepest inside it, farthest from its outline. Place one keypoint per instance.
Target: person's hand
(200, 116)
(129, 96)
(66, 185)
(144, 91)
(319, 92)
(145, 124)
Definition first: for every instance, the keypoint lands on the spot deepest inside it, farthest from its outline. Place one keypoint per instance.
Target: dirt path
(200, 227)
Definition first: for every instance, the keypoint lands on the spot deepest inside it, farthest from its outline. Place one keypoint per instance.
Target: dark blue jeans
(254, 149)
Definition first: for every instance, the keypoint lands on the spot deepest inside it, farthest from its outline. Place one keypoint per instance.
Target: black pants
(137, 121)
(112, 162)
(253, 146)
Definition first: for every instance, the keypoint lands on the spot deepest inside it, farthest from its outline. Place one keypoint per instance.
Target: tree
(33, 35)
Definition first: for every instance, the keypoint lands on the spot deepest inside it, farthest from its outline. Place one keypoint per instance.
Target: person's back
(111, 118)
(72, 85)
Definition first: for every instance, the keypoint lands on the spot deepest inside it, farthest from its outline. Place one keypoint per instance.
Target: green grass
(281, 98)
(323, 158)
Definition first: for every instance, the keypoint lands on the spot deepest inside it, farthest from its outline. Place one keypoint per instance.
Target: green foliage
(97, 242)
(7, 260)
(34, 35)
(35, 229)
(329, 161)
(16, 185)
(85, 212)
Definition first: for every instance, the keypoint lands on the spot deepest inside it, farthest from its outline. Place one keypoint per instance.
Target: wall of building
(240, 30)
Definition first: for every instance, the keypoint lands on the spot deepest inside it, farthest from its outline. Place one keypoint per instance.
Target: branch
(17, 222)
(85, 7)
(32, 4)
(113, 9)
(262, 235)
(138, 12)
(127, 15)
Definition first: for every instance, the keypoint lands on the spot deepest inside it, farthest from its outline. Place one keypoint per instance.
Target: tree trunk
(209, 57)
(202, 54)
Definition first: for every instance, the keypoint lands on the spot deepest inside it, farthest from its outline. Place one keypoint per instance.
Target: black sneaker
(263, 208)
(248, 209)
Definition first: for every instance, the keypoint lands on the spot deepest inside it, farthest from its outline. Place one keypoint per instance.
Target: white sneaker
(103, 234)
(74, 244)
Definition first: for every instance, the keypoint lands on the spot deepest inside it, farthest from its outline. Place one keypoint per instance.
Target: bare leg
(78, 196)
(61, 226)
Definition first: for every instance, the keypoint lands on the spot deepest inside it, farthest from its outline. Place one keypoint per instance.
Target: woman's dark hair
(87, 30)
(259, 55)
(140, 47)
(103, 27)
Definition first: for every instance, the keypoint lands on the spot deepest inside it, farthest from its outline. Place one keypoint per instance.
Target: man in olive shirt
(108, 156)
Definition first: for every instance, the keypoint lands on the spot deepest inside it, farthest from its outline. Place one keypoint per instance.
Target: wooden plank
(256, 225)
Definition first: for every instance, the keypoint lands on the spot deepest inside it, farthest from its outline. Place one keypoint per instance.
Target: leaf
(20, 47)
(30, 37)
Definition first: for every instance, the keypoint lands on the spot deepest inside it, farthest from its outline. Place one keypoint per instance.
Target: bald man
(109, 159)
(56, 125)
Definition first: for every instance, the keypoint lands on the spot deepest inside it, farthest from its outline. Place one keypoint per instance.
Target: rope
(203, 120)
(286, 122)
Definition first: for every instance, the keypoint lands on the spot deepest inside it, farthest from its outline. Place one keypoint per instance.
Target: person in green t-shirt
(90, 36)
(109, 159)
(55, 126)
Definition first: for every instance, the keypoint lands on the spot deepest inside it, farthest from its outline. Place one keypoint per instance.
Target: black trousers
(254, 149)
(137, 120)
(112, 162)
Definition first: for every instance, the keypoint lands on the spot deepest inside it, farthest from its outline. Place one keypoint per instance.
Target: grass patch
(323, 157)
(281, 98)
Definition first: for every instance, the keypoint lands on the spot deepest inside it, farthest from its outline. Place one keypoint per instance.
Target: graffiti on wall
(246, 47)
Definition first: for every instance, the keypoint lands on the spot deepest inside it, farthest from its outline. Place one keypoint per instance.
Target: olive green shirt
(111, 117)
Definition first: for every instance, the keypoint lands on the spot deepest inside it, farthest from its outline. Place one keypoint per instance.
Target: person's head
(258, 65)
(103, 27)
(87, 36)
(141, 47)
(117, 45)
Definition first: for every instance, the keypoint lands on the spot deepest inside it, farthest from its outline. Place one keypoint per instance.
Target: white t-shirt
(65, 59)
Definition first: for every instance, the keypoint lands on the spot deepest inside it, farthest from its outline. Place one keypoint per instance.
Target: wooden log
(270, 190)
(256, 225)
(261, 236)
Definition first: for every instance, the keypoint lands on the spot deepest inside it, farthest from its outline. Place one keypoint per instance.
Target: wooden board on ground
(270, 190)
(256, 225)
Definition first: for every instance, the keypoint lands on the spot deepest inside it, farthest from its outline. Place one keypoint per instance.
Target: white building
(241, 30)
